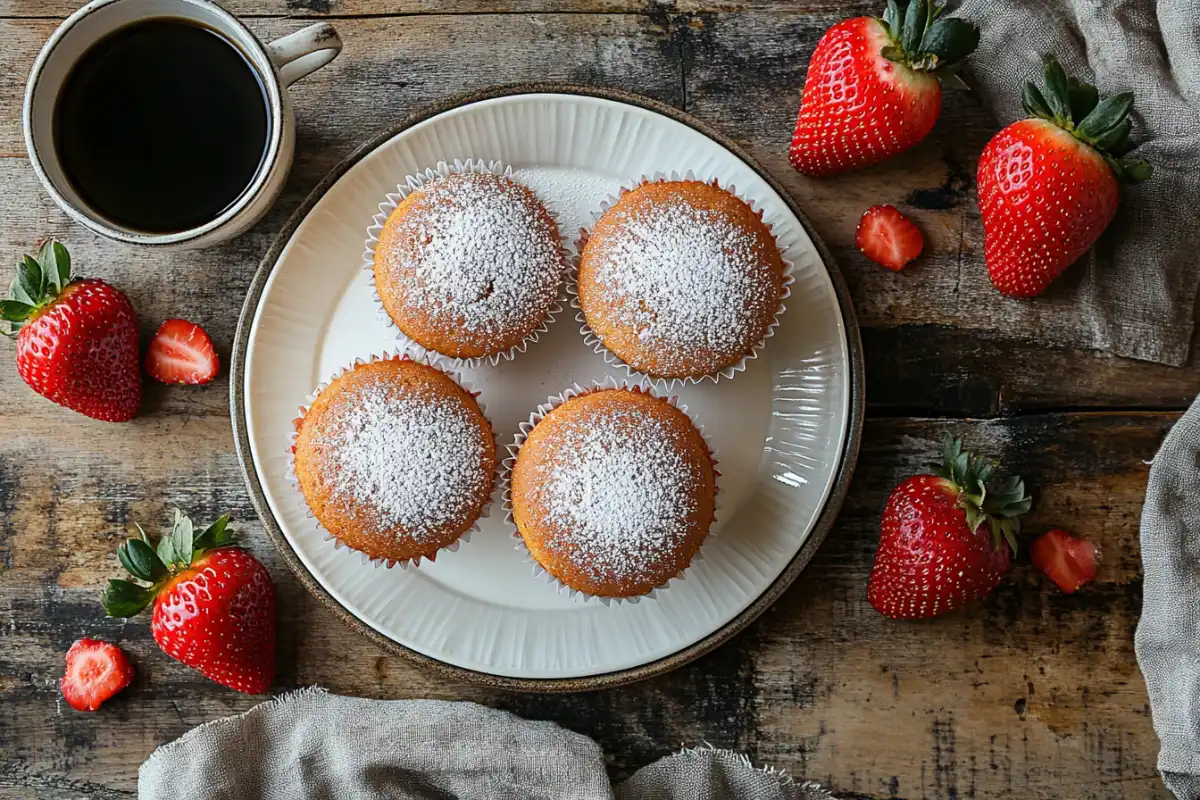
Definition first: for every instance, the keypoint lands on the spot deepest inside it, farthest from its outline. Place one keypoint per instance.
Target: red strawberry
(1067, 560)
(214, 604)
(1048, 186)
(872, 88)
(76, 340)
(95, 672)
(933, 558)
(888, 238)
(182, 352)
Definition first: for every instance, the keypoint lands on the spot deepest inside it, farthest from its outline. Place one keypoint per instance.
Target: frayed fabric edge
(814, 790)
(262, 708)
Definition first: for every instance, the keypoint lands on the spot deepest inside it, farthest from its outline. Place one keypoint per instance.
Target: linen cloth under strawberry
(1168, 634)
(1134, 294)
(320, 746)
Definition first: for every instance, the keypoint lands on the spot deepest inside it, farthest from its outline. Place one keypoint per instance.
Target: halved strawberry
(1067, 560)
(95, 672)
(888, 238)
(182, 352)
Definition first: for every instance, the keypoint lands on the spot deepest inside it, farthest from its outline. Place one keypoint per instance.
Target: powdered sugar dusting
(689, 281)
(412, 458)
(620, 492)
(479, 253)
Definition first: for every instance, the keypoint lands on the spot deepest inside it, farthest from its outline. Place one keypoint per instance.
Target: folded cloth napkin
(1135, 293)
(320, 746)
(1168, 634)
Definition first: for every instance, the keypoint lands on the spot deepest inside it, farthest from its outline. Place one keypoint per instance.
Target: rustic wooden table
(1031, 694)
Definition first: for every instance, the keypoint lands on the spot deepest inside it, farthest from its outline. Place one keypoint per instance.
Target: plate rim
(825, 519)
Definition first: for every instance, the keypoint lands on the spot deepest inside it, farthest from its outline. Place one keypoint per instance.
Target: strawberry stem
(1000, 507)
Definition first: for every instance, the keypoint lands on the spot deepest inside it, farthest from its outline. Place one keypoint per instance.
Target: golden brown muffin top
(680, 278)
(613, 492)
(470, 262)
(395, 450)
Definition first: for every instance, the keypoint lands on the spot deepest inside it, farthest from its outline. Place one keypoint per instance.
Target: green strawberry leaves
(916, 16)
(141, 561)
(924, 40)
(15, 310)
(981, 501)
(892, 18)
(1057, 94)
(1076, 107)
(1109, 113)
(152, 566)
(28, 285)
(1082, 98)
(36, 283)
(215, 535)
(125, 599)
(56, 264)
(950, 40)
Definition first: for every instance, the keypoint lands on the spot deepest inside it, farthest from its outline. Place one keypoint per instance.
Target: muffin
(469, 265)
(613, 492)
(680, 279)
(395, 459)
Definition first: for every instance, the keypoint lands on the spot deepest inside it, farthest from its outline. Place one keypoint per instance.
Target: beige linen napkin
(311, 745)
(1168, 634)
(1135, 293)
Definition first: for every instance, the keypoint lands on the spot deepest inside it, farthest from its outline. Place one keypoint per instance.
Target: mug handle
(302, 53)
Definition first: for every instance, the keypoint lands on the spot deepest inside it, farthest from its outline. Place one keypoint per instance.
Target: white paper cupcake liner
(522, 434)
(442, 365)
(593, 340)
(392, 200)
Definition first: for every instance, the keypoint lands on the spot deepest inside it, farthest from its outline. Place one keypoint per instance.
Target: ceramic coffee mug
(279, 64)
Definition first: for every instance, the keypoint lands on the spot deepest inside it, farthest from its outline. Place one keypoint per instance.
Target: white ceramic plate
(781, 427)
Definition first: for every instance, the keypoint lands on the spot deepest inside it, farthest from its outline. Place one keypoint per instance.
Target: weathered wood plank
(393, 66)
(937, 370)
(1042, 685)
(351, 8)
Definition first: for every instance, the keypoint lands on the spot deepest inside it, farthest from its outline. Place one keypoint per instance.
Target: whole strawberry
(945, 538)
(77, 341)
(214, 603)
(872, 89)
(1049, 186)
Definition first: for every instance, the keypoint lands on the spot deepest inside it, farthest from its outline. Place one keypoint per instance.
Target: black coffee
(161, 125)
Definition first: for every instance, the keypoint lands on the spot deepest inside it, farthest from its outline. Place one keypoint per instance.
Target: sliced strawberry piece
(182, 352)
(1067, 560)
(95, 672)
(888, 238)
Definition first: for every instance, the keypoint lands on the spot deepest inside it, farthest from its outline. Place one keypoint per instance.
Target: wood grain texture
(1031, 694)
(1038, 683)
(332, 9)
